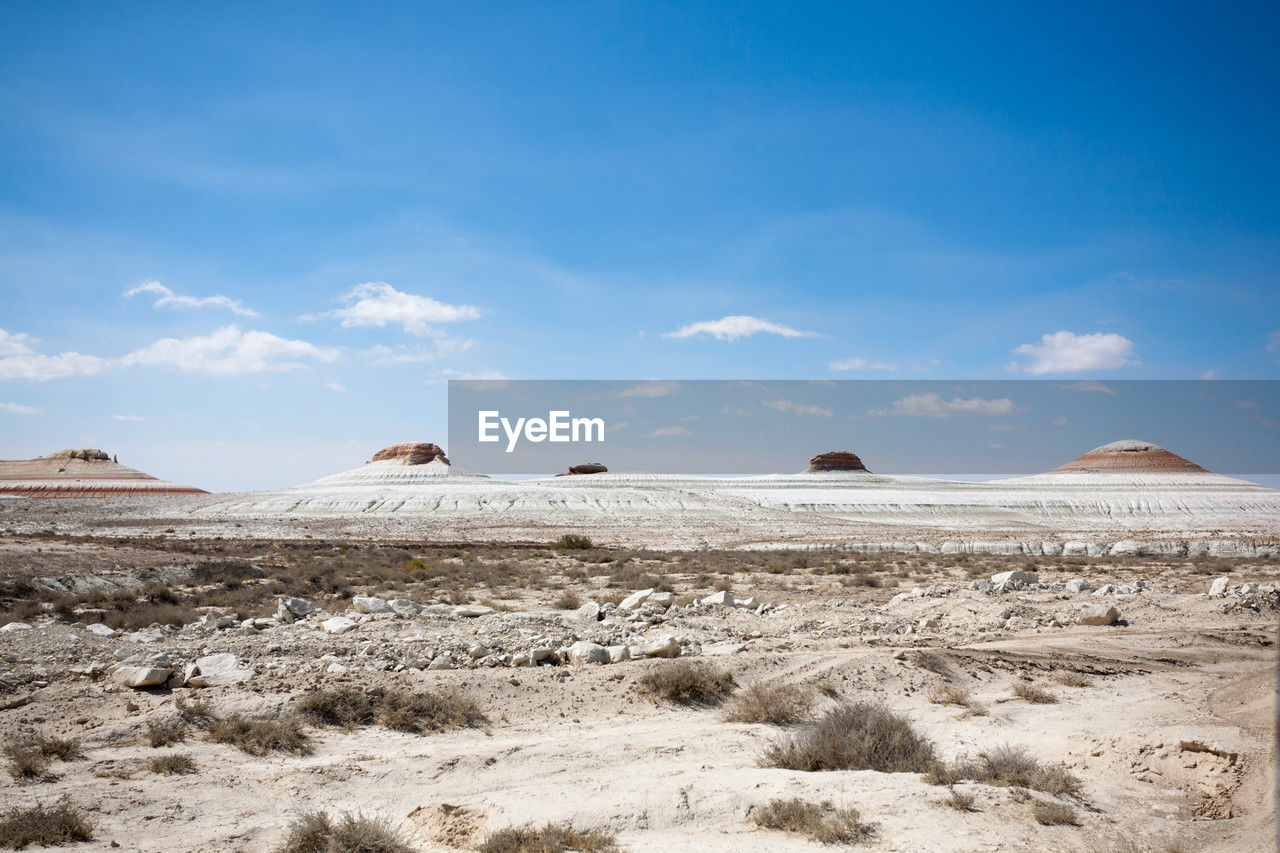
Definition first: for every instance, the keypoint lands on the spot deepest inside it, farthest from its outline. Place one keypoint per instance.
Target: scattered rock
(584, 652)
(368, 604)
(337, 625)
(15, 626)
(724, 598)
(141, 675)
(1077, 585)
(404, 607)
(442, 662)
(471, 611)
(218, 670)
(658, 647)
(1219, 586)
(1099, 614)
(1015, 577)
(725, 648)
(617, 654)
(589, 612)
(635, 599)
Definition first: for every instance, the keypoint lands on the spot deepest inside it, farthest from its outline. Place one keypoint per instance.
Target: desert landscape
(409, 656)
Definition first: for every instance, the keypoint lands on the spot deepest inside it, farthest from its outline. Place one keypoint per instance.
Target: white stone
(724, 598)
(1078, 585)
(635, 599)
(15, 626)
(657, 647)
(218, 670)
(298, 606)
(442, 662)
(617, 654)
(369, 604)
(471, 611)
(336, 669)
(1015, 576)
(589, 612)
(404, 607)
(1219, 586)
(100, 630)
(337, 625)
(747, 603)
(725, 648)
(1099, 614)
(662, 599)
(585, 651)
(477, 650)
(142, 675)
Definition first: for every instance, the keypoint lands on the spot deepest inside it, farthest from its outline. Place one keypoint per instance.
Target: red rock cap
(835, 460)
(411, 453)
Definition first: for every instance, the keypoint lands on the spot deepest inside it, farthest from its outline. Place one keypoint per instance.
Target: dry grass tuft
(960, 801)
(573, 542)
(258, 736)
(568, 601)
(1073, 679)
(855, 736)
(316, 832)
(178, 763)
(44, 826)
(823, 823)
(1053, 813)
(950, 694)
(552, 838)
(29, 757)
(1033, 694)
(166, 732)
(686, 683)
(425, 711)
(777, 704)
(1008, 767)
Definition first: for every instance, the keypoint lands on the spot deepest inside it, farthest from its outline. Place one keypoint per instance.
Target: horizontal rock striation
(411, 453)
(835, 460)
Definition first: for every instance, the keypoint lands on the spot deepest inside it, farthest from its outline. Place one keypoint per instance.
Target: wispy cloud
(732, 328)
(336, 386)
(1087, 385)
(932, 405)
(18, 409)
(35, 367)
(653, 389)
(1067, 352)
(376, 304)
(861, 364)
(400, 354)
(15, 343)
(166, 297)
(129, 418)
(666, 432)
(798, 408)
(229, 351)
(1273, 341)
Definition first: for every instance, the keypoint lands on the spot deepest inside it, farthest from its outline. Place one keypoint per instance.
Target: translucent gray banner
(924, 427)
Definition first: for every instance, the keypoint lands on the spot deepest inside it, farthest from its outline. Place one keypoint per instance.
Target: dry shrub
(44, 826)
(568, 601)
(166, 732)
(197, 712)
(29, 757)
(573, 542)
(1009, 767)
(960, 801)
(1073, 679)
(258, 736)
(1053, 813)
(551, 838)
(1033, 694)
(174, 764)
(316, 832)
(425, 711)
(778, 704)
(855, 736)
(823, 823)
(686, 683)
(950, 694)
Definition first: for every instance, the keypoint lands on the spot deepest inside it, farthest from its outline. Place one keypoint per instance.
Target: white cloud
(1273, 341)
(1067, 352)
(732, 328)
(15, 343)
(655, 388)
(18, 409)
(797, 408)
(129, 418)
(228, 351)
(378, 304)
(400, 354)
(933, 406)
(664, 432)
(177, 300)
(336, 386)
(861, 364)
(1059, 421)
(1211, 373)
(39, 368)
(1087, 385)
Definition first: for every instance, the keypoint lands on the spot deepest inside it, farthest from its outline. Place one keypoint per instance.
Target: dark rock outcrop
(585, 468)
(835, 460)
(411, 453)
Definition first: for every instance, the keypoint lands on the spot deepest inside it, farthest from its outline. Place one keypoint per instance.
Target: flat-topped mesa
(585, 468)
(410, 453)
(1131, 455)
(79, 473)
(835, 460)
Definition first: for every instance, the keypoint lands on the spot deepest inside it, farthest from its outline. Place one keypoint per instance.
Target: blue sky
(325, 211)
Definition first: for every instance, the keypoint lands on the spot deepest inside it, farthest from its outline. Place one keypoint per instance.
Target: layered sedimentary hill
(835, 460)
(77, 473)
(1131, 455)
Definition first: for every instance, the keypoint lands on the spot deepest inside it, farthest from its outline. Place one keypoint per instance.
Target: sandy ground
(1181, 674)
